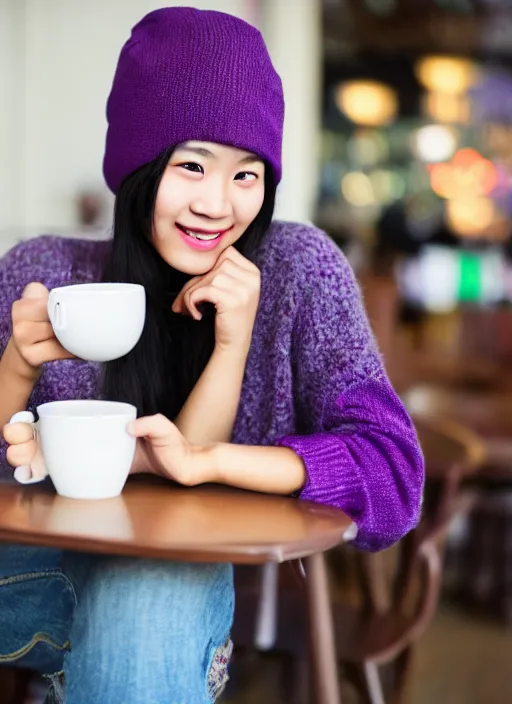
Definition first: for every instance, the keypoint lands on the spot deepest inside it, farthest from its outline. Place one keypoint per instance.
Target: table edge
(237, 554)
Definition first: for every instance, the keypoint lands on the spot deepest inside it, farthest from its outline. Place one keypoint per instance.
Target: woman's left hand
(233, 286)
(168, 452)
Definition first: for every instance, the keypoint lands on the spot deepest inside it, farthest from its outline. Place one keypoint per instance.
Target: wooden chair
(397, 590)
(487, 334)
(485, 576)
(475, 355)
(381, 300)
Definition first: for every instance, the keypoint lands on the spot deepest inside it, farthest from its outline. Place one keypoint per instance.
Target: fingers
(177, 306)
(234, 255)
(35, 290)
(42, 332)
(23, 446)
(23, 454)
(217, 288)
(51, 350)
(36, 354)
(30, 309)
(31, 332)
(32, 472)
(230, 262)
(32, 306)
(18, 433)
(181, 304)
(228, 287)
(222, 299)
(157, 428)
(23, 451)
(228, 266)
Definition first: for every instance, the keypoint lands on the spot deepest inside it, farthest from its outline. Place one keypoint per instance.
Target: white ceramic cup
(86, 447)
(98, 322)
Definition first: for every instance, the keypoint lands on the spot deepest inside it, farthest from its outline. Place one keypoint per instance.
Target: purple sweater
(314, 379)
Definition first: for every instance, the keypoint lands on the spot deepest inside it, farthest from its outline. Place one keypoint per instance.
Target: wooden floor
(461, 660)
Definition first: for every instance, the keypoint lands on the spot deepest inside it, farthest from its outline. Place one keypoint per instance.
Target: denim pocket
(35, 617)
(218, 671)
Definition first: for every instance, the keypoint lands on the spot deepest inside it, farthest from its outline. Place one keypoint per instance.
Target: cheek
(170, 199)
(250, 204)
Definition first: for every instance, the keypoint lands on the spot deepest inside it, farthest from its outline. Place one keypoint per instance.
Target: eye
(192, 166)
(246, 176)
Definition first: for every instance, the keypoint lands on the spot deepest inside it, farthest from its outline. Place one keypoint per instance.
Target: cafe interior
(398, 143)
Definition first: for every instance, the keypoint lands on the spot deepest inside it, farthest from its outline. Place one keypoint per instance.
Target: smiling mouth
(201, 235)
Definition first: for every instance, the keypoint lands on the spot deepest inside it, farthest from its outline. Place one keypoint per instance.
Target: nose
(212, 200)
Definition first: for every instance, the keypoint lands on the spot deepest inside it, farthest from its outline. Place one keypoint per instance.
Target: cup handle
(28, 474)
(56, 314)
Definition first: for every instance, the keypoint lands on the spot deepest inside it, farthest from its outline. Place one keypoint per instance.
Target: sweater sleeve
(11, 286)
(358, 444)
(32, 260)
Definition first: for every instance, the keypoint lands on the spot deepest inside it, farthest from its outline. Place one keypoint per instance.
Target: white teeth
(203, 237)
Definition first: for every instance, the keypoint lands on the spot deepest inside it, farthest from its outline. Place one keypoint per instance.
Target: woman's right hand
(33, 339)
(24, 452)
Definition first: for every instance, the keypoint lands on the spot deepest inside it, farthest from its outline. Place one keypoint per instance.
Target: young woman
(256, 367)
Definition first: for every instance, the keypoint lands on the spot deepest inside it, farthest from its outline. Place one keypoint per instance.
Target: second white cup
(86, 446)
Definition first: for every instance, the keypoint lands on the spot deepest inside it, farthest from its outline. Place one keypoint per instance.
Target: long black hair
(158, 375)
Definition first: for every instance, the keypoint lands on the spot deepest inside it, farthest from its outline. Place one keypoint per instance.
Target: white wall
(292, 30)
(12, 96)
(61, 57)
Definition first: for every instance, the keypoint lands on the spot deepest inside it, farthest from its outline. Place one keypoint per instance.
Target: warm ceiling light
(470, 217)
(468, 175)
(447, 108)
(367, 102)
(434, 143)
(445, 74)
(357, 189)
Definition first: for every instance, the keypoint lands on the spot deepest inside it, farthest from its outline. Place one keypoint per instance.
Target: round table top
(154, 518)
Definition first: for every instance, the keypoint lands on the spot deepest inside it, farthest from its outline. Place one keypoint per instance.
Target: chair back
(405, 581)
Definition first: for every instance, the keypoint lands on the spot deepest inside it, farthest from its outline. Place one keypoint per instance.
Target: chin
(192, 265)
(196, 270)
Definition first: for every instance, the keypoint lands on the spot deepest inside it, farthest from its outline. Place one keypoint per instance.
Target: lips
(202, 235)
(202, 240)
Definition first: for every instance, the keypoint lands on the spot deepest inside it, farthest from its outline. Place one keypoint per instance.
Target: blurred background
(398, 142)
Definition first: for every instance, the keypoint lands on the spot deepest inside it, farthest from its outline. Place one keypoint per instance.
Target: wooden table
(156, 519)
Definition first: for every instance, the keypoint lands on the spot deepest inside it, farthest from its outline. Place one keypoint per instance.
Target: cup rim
(104, 288)
(57, 409)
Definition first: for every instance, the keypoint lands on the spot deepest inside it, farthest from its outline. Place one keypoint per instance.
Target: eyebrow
(251, 159)
(201, 151)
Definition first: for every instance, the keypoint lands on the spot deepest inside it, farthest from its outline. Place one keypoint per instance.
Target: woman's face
(208, 196)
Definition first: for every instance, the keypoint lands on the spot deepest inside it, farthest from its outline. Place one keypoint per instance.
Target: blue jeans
(106, 630)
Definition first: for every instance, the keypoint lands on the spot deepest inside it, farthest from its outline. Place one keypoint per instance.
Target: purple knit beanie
(192, 74)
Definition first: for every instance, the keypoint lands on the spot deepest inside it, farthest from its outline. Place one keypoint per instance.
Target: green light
(470, 277)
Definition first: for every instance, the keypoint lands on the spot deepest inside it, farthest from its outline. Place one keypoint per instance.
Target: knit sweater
(314, 379)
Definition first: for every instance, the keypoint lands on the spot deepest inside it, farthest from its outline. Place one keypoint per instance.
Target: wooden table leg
(324, 668)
